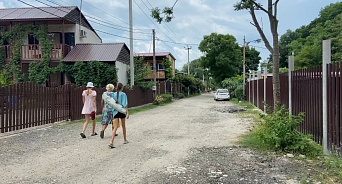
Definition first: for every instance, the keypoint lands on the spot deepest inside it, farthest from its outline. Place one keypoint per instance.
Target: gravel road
(188, 141)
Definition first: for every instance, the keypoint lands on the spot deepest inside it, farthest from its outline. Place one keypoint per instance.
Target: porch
(34, 52)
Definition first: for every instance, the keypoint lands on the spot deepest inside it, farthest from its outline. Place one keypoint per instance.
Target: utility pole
(154, 58)
(131, 61)
(244, 65)
(188, 48)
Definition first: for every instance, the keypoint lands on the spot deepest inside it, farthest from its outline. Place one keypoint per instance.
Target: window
(70, 39)
(32, 39)
(160, 66)
(151, 64)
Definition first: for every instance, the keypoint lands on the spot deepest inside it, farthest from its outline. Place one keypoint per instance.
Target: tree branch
(259, 6)
(256, 24)
(275, 8)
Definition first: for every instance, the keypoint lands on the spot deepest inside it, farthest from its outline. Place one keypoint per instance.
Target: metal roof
(35, 13)
(151, 54)
(98, 52)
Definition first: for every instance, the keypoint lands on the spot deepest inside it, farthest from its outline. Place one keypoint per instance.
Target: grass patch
(142, 109)
(193, 95)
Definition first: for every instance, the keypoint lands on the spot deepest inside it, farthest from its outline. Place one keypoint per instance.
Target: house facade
(67, 28)
(115, 54)
(160, 70)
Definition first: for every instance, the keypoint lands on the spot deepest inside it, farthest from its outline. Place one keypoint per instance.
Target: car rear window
(223, 91)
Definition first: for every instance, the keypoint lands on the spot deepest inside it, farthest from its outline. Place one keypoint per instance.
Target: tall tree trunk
(275, 54)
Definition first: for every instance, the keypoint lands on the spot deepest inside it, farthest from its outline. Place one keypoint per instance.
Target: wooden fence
(25, 105)
(307, 97)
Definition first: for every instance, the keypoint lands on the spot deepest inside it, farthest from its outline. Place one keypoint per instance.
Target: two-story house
(160, 70)
(67, 28)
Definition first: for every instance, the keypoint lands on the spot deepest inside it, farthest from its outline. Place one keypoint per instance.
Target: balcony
(159, 75)
(34, 52)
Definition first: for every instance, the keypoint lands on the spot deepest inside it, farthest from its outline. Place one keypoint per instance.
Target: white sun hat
(90, 85)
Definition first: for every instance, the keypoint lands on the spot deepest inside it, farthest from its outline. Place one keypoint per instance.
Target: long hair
(88, 91)
(118, 88)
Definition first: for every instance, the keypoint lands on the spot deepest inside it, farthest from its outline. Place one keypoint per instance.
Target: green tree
(223, 55)
(195, 68)
(252, 59)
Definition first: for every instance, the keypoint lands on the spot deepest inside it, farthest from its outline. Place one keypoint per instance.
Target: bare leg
(87, 116)
(104, 127)
(116, 121)
(94, 123)
(123, 120)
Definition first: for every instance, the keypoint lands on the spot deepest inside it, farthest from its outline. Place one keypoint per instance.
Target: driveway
(188, 141)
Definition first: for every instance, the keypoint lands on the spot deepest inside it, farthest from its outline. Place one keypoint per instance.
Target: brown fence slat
(2, 109)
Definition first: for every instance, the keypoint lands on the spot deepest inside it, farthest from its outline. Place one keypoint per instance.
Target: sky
(192, 20)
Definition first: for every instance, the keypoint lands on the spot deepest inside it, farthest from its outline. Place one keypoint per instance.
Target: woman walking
(89, 107)
(108, 111)
(120, 98)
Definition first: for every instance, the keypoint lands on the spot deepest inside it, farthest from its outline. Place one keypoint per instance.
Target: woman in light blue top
(120, 98)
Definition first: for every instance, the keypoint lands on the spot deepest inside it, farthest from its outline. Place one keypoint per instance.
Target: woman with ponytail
(120, 98)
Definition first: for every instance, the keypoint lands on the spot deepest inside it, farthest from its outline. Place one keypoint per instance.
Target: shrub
(167, 97)
(238, 93)
(178, 95)
(163, 98)
(279, 131)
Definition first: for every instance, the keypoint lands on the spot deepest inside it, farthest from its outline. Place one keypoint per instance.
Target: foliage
(232, 84)
(279, 130)
(189, 83)
(39, 71)
(141, 71)
(223, 55)
(168, 69)
(167, 11)
(178, 95)
(99, 73)
(306, 41)
(5, 77)
(161, 99)
(195, 68)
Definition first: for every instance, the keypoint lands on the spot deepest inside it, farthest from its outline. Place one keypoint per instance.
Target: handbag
(92, 115)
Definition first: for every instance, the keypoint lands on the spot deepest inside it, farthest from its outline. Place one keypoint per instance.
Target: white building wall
(122, 72)
(90, 38)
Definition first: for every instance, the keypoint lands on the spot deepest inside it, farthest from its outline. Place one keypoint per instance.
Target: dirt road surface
(188, 141)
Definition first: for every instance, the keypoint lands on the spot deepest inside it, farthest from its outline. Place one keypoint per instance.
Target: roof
(70, 13)
(98, 52)
(35, 13)
(163, 54)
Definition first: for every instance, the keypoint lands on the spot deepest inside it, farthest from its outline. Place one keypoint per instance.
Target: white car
(222, 94)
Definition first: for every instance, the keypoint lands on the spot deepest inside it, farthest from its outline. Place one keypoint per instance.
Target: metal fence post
(249, 88)
(291, 68)
(253, 85)
(326, 60)
(258, 77)
(265, 77)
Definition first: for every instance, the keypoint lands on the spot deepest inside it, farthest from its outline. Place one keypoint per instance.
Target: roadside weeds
(322, 169)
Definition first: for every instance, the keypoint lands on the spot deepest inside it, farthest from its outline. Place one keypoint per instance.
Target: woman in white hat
(89, 107)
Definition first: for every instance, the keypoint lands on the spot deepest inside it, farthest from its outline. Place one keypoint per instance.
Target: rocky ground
(190, 141)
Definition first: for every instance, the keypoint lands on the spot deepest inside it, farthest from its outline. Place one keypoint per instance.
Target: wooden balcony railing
(159, 75)
(34, 52)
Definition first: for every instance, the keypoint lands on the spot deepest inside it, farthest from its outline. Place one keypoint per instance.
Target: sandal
(82, 135)
(111, 146)
(126, 142)
(94, 134)
(102, 134)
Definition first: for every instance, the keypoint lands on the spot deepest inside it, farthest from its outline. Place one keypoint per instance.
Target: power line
(90, 17)
(93, 17)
